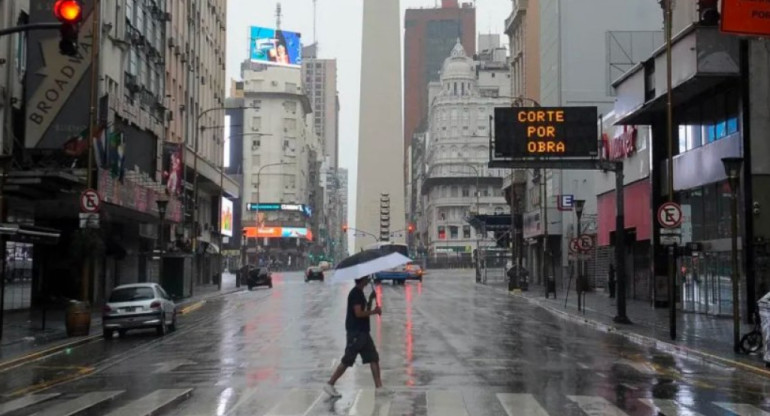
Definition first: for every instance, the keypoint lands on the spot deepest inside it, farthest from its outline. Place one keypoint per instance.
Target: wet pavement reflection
(448, 347)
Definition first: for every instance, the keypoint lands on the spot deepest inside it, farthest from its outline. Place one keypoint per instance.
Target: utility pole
(667, 4)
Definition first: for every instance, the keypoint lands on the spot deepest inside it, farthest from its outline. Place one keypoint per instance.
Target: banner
(172, 168)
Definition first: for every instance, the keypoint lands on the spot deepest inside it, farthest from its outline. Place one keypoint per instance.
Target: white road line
(368, 404)
(81, 404)
(596, 406)
(295, 403)
(152, 403)
(241, 401)
(25, 401)
(742, 409)
(669, 407)
(520, 405)
(643, 368)
(445, 403)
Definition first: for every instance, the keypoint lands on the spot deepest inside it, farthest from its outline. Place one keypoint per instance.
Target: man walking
(359, 340)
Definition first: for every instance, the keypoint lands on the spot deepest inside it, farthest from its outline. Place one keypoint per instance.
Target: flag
(75, 146)
(116, 154)
(99, 142)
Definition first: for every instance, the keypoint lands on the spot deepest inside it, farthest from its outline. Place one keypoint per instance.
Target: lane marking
(445, 403)
(368, 404)
(596, 406)
(520, 405)
(83, 371)
(25, 401)
(13, 363)
(742, 409)
(192, 307)
(296, 402)
(152, 403)
(668, 407)
(81, 404)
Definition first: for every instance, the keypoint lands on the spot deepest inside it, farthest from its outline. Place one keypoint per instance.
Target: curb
(646, 341)
(188, 307)
(15, 362)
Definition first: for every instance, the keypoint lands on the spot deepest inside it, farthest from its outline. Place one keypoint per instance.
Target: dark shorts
(360, 344)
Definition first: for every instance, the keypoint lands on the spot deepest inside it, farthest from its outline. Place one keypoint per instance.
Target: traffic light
(410, 228)
(344, 228)
(69, 13)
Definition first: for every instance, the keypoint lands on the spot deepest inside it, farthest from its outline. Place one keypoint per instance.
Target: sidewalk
(706, 337)
(23, 331)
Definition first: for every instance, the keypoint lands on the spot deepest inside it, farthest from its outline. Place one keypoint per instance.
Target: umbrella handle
(373, 296)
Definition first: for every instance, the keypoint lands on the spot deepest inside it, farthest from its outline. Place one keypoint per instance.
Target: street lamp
(579, 286)
(5, 164)
(162, 205)
(733, 167)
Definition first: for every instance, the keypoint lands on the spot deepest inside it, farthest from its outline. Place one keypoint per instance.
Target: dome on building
(458, 65)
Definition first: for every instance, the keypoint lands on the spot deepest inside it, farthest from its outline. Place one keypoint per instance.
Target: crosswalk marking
(643, 368)
(296, 403)
(152, 403)
(669, 407)
(446, 403)
(25, 401)
(742, 409)
(596, 406)
(81, 404)
(520, 405)
(367, 404)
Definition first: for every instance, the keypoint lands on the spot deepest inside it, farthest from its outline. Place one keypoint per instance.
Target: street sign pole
(620, 245)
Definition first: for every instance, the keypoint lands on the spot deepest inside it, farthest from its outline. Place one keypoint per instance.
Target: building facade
(720, 94)
(457, 182)
(429, 36)
(279, 158)
(320, 83)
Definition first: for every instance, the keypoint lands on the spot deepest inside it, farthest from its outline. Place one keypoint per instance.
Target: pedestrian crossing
(356, 402)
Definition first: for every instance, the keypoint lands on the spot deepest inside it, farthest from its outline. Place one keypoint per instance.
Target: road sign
(89, 220)
(671, 231)
(574, 245)
(586, 242)
(670, 240)
(748, 18)
(566, 202)
(670, 215)
(89, 201)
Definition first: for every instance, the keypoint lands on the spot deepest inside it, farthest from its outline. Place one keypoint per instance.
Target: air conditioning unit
(171, 42)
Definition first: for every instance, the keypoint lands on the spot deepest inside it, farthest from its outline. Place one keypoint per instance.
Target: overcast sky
(339, 36)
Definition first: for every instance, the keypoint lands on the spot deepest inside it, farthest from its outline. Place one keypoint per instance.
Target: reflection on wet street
(448, 347)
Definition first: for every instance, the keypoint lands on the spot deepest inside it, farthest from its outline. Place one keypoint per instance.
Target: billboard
(226, 218)
(278, 232)
(172, 168)
(523, 133)
(276, 47)
(268, 207)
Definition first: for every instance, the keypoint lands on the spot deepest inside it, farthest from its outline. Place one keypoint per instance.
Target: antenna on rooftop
(278, 16)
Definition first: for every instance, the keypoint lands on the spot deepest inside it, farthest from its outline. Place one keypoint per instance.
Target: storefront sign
(531, 222)
(622, 146)
(278, 232)
(546, 132)
(135, 197)
(746, 17)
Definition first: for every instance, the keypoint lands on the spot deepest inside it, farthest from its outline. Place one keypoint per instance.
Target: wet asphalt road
(448, 347)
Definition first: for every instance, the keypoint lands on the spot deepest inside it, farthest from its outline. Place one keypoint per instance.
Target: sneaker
(331, 391)
(382, 392)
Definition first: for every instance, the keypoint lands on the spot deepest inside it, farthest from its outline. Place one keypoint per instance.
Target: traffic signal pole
(27, 28)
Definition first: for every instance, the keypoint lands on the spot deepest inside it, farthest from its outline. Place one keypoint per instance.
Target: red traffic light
(68, 11)
(344, 228)
(410, 228)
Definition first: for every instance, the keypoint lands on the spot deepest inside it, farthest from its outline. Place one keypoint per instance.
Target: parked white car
(138, 306)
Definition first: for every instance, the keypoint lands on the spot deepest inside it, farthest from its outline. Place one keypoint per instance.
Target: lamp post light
(733, 167)
(162, 205)
(579, 286)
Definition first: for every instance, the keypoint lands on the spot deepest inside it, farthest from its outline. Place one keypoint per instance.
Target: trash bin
(764, 316)
(78, 319)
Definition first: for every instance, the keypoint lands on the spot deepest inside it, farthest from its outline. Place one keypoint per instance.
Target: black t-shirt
(353, 324)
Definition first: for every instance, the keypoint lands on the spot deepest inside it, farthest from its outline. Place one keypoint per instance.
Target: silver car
(138, 306)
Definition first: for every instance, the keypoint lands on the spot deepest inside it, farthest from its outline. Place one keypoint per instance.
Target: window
(466, 191)
(453, 232)
(455, 192)
(708, 119)
(466, 231)
(256, 123)
(255, 143)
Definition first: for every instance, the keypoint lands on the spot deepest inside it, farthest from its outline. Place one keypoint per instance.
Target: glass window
(131, 294)
(453, 232)
(466, 191)
(455, 192)
(441, 232)
(710, 212)
(466, 231)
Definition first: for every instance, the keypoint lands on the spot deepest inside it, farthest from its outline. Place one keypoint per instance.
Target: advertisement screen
(172, 168)
(278, 232)
(277, 47)
(226, 219)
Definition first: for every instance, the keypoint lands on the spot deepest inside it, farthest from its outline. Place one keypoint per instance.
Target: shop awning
(29, 233)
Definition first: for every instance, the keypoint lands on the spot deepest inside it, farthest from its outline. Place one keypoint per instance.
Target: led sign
(279, 207)
(546, 132)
